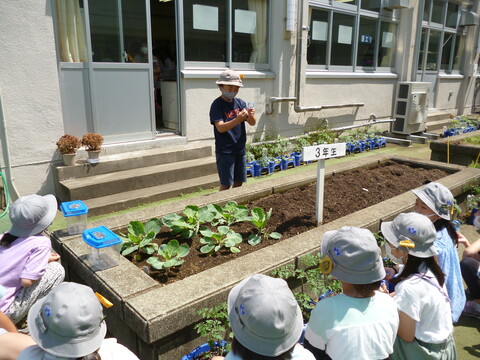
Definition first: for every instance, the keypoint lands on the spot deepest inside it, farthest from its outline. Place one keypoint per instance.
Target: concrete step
(133, 179)
(124, 200)
(436, 127)
(133, 160)
(437, 115)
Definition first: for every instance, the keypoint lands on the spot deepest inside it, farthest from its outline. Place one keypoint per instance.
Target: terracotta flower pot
(69, 159)
(93, 156)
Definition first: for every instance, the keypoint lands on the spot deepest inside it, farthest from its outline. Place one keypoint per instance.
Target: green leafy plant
(313, 283)
(169, 255)
(231, 213)
(300, 143)
(260, 219)
(188, 225)
(215, 327)
(213, 242)
(140, 237)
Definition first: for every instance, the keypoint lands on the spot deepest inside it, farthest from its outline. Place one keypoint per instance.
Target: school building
(142, 73)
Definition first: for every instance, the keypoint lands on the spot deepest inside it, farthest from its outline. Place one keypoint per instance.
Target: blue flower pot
(202, 349)
(472, 216)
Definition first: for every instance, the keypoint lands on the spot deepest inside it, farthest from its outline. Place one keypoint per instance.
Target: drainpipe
(6, 151)
(298, 70)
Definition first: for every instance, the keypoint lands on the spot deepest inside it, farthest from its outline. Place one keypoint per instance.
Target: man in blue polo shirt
(228, 115)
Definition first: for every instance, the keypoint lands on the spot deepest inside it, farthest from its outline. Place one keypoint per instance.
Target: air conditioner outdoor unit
(411, 107)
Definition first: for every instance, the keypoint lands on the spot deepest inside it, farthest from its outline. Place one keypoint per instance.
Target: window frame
(428, 26)
(333, 7)
(186, 64)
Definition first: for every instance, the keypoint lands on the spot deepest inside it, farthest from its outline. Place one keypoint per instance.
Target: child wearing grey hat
(361, 322)
(425, 331)
(69, 323)
(28, 268)
(435, 201)
(228, 115)
(266, 321)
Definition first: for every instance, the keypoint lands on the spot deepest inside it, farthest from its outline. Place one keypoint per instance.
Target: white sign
(245, 22)
(319, 30)
(344, 34)
(326, 151)
(205, 17)
(387, 39)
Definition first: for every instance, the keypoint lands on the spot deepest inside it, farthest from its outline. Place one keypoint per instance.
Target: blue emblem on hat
(337, 251)
(242, 309)
(48, 312)
(412, 230)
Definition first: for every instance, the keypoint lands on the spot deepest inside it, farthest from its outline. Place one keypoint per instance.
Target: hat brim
(393, 238)
(61, 346)
(257, 344)
(421, 195)
(352, 276)
(42, 224)
(235, 83)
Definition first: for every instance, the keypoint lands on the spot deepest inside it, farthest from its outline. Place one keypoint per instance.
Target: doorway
(164, 51)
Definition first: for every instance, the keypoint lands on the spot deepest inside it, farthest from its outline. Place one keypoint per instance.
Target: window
(351, 39)
(208, 26)
(442, 40)
(118, 31)
(342, 39)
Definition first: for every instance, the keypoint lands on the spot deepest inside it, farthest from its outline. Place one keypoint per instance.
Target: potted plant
(68, 146)
(93, 144)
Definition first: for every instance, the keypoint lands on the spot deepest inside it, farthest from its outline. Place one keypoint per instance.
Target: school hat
(264, 315)
(32, 214)
(68, 322)
(230, 77)
(355, 255)
(408, 228)
(437, 197)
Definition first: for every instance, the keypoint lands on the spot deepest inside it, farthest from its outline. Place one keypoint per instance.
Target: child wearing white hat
(28, 269)
(435, 201)
(362, 322)
(266, 321)
(228, 115)
(69, 323)
(426, 329)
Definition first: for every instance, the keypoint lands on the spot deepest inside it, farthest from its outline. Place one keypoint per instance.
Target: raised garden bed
(156, 321)
(454, 150)
(293, 212)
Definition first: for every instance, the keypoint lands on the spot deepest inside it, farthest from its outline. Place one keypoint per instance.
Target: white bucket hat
(355, 255)
(264, 315)
(32, 214)
(414, 233)
(68, 322)
(230, 77)
(438, 198)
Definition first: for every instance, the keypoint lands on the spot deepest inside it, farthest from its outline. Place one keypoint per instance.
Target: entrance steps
(436, 121)
(125, 180)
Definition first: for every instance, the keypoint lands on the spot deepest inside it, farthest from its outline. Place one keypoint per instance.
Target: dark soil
(294, 211)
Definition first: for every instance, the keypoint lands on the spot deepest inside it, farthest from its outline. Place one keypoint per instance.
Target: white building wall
(30, 92)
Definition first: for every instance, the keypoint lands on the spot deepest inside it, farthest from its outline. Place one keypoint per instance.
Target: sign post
(320, 153)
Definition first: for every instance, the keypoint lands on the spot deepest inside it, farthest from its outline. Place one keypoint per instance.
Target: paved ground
(467, 331)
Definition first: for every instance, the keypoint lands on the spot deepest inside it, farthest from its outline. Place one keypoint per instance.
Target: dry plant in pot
(68, 146)
(93, 144)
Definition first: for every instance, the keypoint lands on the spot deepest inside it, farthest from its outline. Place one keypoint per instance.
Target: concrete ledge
(156, 314)
(450, 149)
